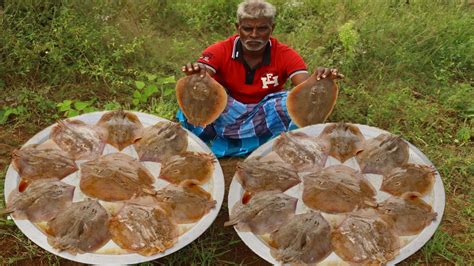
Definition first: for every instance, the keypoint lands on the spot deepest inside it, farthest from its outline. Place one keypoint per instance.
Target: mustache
(254, 41)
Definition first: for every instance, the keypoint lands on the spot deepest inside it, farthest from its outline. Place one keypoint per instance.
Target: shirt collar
(237, 51)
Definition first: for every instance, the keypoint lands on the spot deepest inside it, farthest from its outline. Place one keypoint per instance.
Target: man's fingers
(196, 67)
(202, 71)
(190, 68)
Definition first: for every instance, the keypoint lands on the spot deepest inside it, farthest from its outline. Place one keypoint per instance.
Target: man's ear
(237, 26)
(273, 27)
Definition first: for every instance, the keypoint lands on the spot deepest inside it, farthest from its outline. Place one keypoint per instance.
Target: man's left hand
(323, 72)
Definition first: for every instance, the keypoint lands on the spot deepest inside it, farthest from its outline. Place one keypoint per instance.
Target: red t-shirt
(247, 85)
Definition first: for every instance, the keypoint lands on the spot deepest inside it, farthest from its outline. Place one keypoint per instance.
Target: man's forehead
(255, 22)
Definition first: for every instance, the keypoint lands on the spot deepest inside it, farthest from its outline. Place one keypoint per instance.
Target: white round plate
(111, 253)
(436, 198)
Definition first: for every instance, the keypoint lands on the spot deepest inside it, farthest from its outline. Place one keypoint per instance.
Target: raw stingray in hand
(312, 101)
(202, 99)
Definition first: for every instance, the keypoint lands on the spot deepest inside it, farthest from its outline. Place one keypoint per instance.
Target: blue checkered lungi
(241, 128)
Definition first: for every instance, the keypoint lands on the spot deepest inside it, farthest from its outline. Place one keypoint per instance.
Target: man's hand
(190, 69)
(323, 72)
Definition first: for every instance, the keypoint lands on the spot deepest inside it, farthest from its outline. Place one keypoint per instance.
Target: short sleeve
(212, 57)
(294, 63)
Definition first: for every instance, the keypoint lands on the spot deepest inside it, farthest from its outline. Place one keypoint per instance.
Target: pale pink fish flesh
(161, 141)
(41, 201)
(365, 239)
(81, 141)
(383, 153)
(304, 239)
(346, 140)
(256, 175)
(409, 214)
(189, 165)
(264, 213)
(114, 177)
(81, 228)
(302, 151)
(33, 162)
(123, 128)
(144, 230)
(409, 178)
(337, 189)
(202, 100)
(188, 202)
(312, 101)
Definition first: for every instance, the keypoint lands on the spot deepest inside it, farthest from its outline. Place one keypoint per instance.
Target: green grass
(408, 67)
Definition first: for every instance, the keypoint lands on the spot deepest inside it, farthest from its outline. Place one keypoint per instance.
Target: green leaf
(72, 113)
(139, 84)
(137, 95)
(167, 80)
(143, 99)
(80, 105)
(169, 91)
(65, 103)
(464, 134)
(149, 90)
(135, 101)
(151, 77)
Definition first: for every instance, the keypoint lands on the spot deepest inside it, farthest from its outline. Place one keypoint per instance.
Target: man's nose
(254, 34)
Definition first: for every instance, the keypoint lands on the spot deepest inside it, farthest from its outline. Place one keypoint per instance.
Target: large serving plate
(410, 244)
(111, 253)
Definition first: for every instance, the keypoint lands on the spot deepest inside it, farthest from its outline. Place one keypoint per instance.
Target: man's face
(254, 33)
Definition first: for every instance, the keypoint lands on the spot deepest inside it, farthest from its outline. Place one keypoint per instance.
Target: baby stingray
(302, 151)
(123, 128)
(264, 213)
(81, 228)
(256, 175)
(365, 239)
(346, 140)
(409, 178)
(41, 201)
(161, 141)
(305, 239)
(337, 189)
(312, 101)
(188, 202)
(143, 229)
(43, 161)
(189, 165)
(81, 141)
(114, 177)
(202, 100)
(409, 213)
(383, 153)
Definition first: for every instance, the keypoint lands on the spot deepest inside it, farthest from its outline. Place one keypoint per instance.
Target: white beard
(254, 49)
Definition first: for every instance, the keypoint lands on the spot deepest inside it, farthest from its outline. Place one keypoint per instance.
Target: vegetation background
(408, 67)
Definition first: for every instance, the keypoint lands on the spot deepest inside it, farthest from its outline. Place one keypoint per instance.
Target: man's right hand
(190, 69)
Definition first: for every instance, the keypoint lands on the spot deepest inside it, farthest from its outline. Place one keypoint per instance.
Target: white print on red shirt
(269, 80)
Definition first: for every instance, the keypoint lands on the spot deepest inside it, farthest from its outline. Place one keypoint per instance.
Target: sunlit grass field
(408, 69)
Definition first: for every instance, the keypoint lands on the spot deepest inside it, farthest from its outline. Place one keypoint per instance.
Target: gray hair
(254, 9)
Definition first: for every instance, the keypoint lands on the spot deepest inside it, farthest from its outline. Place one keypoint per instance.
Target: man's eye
(247, 28)
(262, 28)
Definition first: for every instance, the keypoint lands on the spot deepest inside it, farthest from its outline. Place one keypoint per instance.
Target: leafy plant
(154, 84)
(8, 111)
(71, 108)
